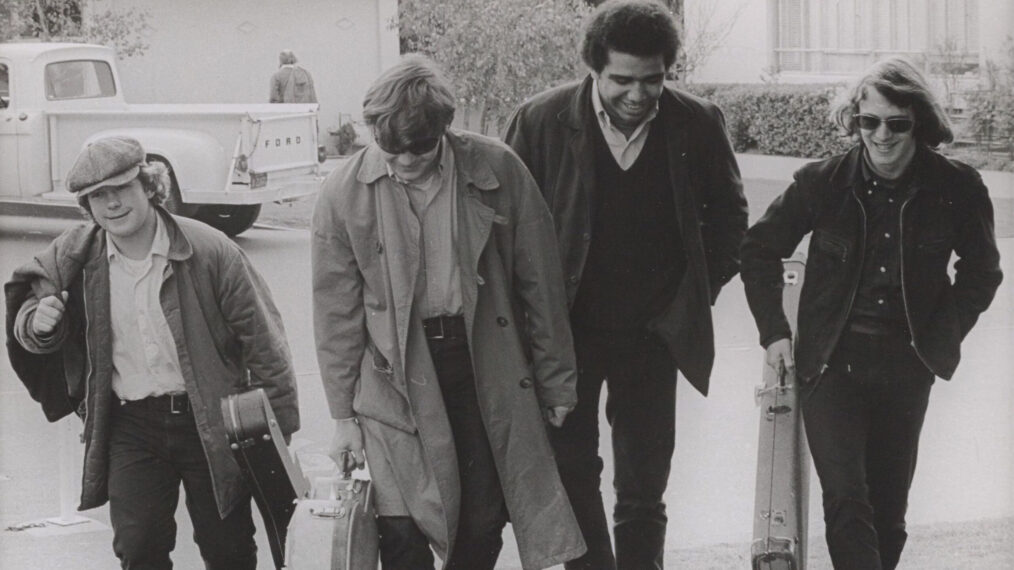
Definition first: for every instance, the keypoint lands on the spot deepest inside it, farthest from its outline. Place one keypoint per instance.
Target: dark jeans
(150, 453)
(641, 408)
(483, 511)
(863, 417)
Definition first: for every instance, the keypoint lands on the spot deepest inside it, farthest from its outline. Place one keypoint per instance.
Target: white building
(827, 40)
(225, 51)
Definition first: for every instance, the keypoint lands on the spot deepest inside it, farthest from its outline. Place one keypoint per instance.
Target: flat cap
(110, 161)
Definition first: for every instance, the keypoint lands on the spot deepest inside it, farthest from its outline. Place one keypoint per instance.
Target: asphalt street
(966, 459)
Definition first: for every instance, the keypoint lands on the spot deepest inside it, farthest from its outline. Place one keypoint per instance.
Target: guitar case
(782, 494)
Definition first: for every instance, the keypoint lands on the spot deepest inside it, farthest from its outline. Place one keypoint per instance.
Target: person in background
(649, 210)
(441, 330)
(879, 315)
(291, 83)
(140, 322)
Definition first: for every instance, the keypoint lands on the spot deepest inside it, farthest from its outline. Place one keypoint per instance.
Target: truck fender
(197, 160)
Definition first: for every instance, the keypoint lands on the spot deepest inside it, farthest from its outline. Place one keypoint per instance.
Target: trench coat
(554, 133)
(228, 333)
(374, 359)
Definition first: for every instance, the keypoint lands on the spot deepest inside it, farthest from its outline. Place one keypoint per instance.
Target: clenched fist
(48, 314)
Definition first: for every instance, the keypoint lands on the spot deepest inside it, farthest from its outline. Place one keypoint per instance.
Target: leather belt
(175, 404)
(444, 327)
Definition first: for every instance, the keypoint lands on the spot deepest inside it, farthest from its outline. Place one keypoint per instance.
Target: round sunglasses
(894, 124)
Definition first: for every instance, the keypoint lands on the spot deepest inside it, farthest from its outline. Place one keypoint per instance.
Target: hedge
(787, 120)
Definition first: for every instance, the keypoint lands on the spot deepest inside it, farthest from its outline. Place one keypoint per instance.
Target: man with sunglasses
(879, 316)
(649, 211)
(442, 337)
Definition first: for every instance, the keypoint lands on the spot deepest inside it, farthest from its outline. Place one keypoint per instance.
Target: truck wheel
(232, 220)
(174, 203)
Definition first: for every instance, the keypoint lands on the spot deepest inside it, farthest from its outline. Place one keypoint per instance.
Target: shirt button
(502, 321)
(586, 236)
(890, 200)
(883, 269)
(525, 382)
(572, 279)
(880, 301)
(870, 191)
(887, 235)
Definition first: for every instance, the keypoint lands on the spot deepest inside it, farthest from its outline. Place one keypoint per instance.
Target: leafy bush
(787, 120)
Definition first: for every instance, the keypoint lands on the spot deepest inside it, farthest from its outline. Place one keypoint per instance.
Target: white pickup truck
(225, 160)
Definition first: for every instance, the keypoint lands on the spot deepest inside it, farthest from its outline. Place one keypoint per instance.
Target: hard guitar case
(783, 467)
(335, 528)
(258, 445)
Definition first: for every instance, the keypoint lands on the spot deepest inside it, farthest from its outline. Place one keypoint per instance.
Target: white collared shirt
(145, 362)
(624, 150)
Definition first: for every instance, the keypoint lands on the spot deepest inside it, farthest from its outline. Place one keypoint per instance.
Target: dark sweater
(636, 257)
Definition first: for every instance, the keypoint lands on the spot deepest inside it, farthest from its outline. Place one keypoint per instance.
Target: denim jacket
(948, 211)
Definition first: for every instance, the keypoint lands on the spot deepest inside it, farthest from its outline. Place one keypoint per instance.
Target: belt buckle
(178, 404)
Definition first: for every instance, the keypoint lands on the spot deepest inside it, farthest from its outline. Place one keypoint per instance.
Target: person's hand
(347, 445)
(556, 414)
(48, 314)
(779, 355)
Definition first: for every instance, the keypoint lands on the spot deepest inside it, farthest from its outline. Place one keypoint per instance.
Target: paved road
(966, 464)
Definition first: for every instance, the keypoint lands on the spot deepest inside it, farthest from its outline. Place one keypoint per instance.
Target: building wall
(224, 51)
(746, 53)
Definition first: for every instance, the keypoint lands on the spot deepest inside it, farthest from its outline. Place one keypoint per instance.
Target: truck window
(82, 79)
(5, 87)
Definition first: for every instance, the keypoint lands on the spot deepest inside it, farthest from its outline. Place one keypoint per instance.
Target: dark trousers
(640, 376)
(863, 417)
(483, 511)
(151, 452)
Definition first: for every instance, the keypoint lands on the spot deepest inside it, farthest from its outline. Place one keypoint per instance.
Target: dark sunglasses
(419, 147)
(895, 125)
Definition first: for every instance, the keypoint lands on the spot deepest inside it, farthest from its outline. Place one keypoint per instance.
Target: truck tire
(231, 220)
(174, 203)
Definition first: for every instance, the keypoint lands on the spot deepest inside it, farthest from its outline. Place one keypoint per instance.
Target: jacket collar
(470, 166)
(580, 111)
(849, 172)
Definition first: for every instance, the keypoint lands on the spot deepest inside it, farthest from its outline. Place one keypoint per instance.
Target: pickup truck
(225, 160)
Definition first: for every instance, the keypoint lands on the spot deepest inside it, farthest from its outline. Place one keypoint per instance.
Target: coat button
(480, 280)
(502, 321)
(572, 279)
(526, 382)
(586, 236)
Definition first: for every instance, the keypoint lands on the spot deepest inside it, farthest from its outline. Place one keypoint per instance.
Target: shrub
(787, 120)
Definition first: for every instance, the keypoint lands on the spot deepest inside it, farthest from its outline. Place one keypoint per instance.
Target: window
(5, 87)
(81, 79)
(845, 36)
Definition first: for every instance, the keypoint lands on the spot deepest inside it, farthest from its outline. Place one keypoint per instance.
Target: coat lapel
(403, 261)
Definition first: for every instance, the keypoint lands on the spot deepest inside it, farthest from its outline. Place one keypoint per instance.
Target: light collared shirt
(145, 362)
(431, 203)
(624, 150)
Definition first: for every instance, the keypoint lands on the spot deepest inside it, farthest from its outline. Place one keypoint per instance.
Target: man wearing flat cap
(140, 322)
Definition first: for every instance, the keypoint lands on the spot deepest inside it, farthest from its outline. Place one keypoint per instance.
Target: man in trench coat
(442, 333)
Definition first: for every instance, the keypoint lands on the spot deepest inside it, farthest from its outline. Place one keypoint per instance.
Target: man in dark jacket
(879, 316)
(649, 211)
(291, 83)
(141, 322)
